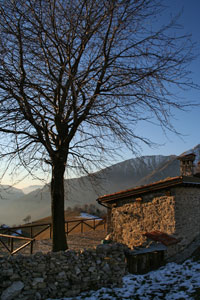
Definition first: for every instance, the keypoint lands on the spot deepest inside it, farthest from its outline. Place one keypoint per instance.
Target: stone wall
(177, 215)
(131, 220)
(187, 214)
(56, 275)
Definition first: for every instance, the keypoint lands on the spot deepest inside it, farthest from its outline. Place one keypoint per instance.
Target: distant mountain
(31, 188)
(14, 210)
(8, 192)
(8, 197)
(86, 189)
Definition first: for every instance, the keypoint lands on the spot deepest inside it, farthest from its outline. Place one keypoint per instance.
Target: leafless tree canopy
(76, 76)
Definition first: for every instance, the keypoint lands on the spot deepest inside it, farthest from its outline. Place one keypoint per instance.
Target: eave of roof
(158, 185)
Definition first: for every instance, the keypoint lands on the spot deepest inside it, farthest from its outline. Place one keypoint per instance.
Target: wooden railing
(31, 232)
(93, 224)
(7, 241)
(28, 230)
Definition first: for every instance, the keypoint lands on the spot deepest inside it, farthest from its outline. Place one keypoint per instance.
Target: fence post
(9, 233)
(31, 249)
(11, 246)
(50, 231)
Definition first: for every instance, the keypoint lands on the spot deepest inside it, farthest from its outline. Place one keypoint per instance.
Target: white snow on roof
(171, 282)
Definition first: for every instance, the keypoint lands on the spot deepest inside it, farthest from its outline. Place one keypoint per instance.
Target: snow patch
(88, 216)
(171, 282)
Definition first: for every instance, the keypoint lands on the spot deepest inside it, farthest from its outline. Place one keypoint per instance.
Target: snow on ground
(171, 282)
(88, 216)
(18, 232)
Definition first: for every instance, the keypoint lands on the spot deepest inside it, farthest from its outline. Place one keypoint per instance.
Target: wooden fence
(7, 241)
(84, 223)
(34, 230)
(31, 232)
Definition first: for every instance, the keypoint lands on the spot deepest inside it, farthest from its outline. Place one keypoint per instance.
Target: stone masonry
(62, 274)
(177, 215)
(170, 206)
(130, 221)
(187, 214)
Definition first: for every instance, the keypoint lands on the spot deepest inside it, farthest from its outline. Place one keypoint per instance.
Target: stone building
(169, 207)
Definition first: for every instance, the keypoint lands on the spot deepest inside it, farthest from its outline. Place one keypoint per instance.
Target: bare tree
(27, 219)
(77, 76)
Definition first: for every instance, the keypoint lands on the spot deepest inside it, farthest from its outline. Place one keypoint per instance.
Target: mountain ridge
(86, 189)
(31, 188)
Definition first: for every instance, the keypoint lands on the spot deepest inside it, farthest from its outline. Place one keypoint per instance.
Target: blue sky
(186, 123)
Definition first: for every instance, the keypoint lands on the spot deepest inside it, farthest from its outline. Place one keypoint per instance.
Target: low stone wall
(56, 275)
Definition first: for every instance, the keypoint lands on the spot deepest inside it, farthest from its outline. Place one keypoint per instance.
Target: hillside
(79, 191)
(86, 189)
(9, 192)
(31, 188)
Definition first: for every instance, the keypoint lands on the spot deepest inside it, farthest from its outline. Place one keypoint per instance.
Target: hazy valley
(16, 204)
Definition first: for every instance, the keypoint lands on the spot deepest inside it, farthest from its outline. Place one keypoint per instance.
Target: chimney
(186, 164)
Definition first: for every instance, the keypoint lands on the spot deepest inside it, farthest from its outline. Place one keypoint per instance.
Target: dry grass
(73, 227)
(68, 216)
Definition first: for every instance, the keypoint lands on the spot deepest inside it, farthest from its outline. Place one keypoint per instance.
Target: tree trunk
(57, 207)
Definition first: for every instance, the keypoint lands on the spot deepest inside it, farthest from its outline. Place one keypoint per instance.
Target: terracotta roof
(158, 185)
(162, 237)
